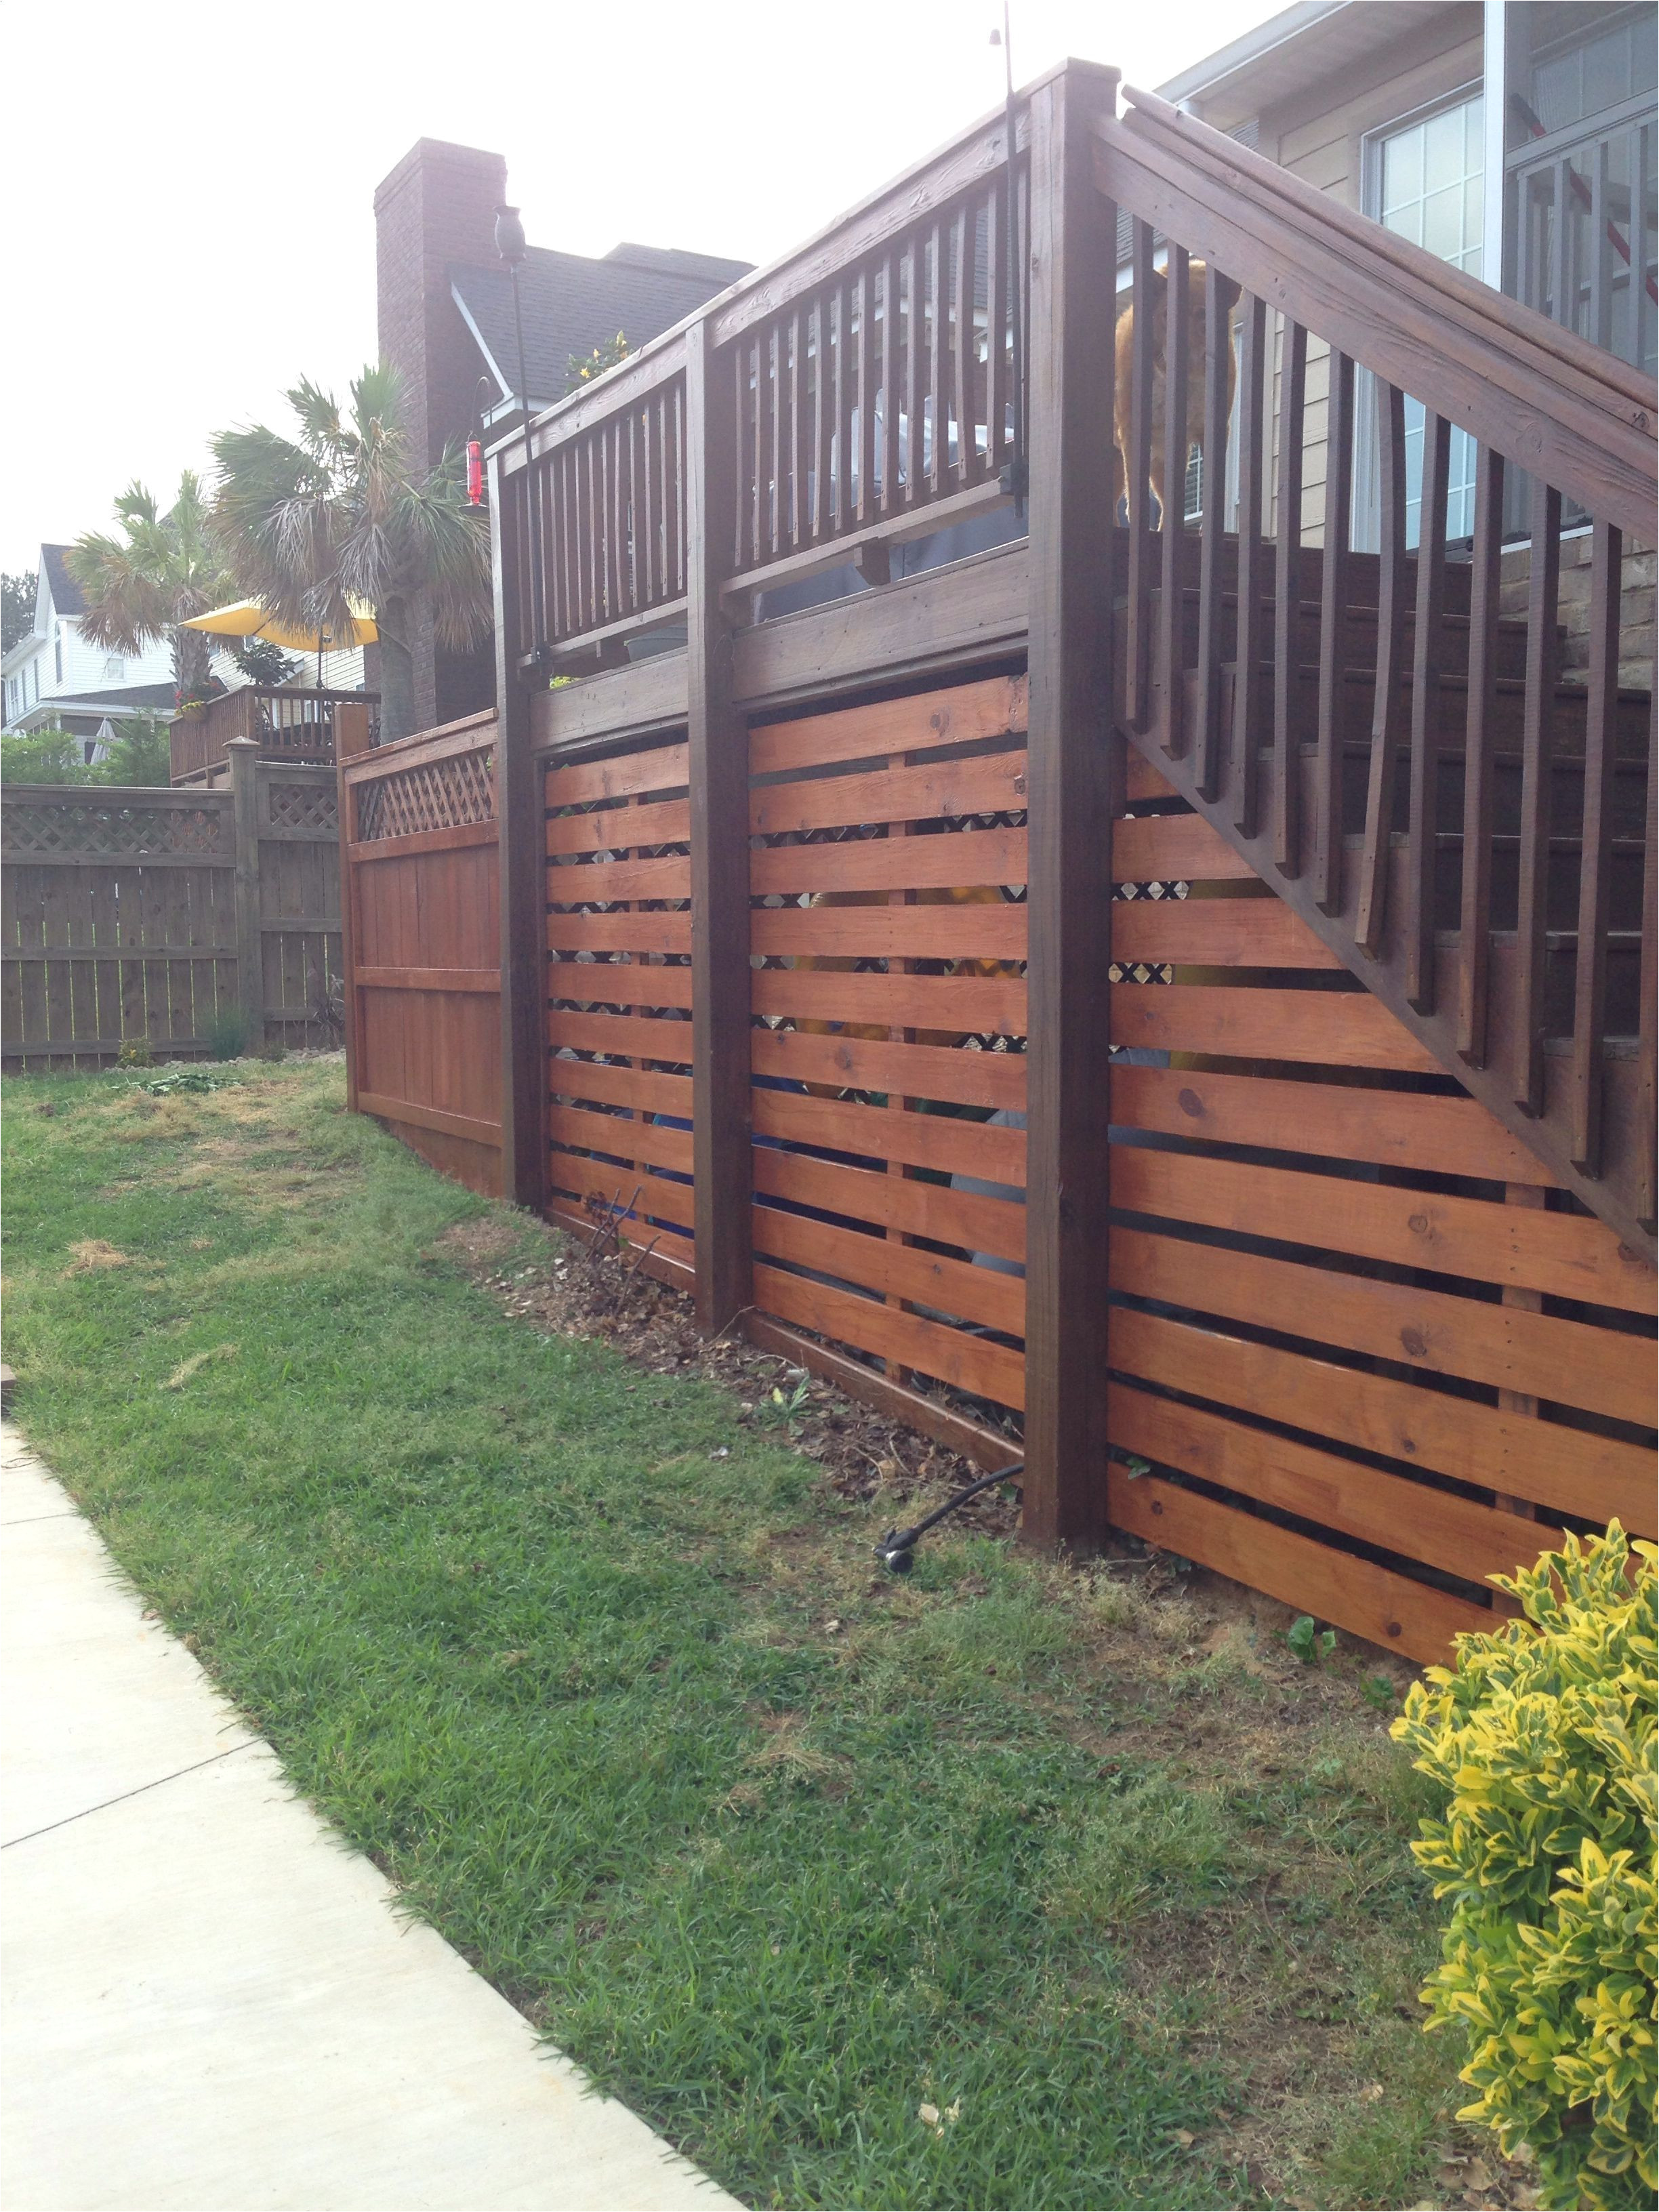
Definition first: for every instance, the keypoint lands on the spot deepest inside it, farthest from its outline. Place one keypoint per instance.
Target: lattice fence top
(439, 794)
(49, 826)
(304, 806)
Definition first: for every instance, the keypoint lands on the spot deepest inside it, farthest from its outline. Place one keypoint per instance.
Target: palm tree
(344, 512)
(147, 583)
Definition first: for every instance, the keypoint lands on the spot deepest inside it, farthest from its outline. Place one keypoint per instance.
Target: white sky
(189, 183)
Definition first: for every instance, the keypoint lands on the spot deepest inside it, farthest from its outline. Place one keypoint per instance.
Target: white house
(55, 677)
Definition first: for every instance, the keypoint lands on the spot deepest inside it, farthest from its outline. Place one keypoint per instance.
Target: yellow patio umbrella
(249, 618)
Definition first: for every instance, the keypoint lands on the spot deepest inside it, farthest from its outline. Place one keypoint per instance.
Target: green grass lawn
(778, 1851)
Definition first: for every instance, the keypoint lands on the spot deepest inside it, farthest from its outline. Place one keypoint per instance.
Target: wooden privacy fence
(1174, 1006)
(422, 937)
(143, 914)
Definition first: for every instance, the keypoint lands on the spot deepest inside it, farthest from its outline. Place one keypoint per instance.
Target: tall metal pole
(510, 245)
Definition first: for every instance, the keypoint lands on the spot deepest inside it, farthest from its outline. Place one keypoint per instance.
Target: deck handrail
(1536, 393)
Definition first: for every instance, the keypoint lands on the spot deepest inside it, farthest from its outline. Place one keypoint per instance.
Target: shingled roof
(67, 597)
(572, 304)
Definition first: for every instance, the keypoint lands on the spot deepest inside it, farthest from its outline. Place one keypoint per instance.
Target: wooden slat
(898, 1271)
(994, 708)
(1568, 1470)
(642, 1088)
(1428, 644)
(658, 1199)
(422, 1116)
(1251, 655)
(1338, 1029)
(1388, 1609)
(960, 1006)
(619, 933)
(965, 1219)
(634, 982)
(1398, 1128)
(601, 881)
(959, 859)
(1172, 523)
(1163, 848)
(487, 980)
(913, 1070)
(937, 1142)
(420, 841)
(1595, 881)
(640, 1036)
(1233, 933)
(1474, 938)
(985, 784)
(1288, 596)
(1388, 692)
(1414, 1519)
(667, 822)
(621, 776)
(1563, 1255)
(988, 1371)
(1537, 779)
(628, 1139)
(1434, 1331)
(1326, 865)
(942, 932)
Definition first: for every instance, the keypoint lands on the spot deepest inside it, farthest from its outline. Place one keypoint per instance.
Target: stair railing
(1541, 404)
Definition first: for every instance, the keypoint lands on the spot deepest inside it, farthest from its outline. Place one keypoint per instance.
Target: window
(57, 654)
(115, 668)
(1425, 181)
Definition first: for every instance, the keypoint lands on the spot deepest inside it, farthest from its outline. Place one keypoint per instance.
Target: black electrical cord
(897, 1547)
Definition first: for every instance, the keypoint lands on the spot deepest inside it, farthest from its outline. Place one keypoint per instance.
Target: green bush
(135, 1053)
(1543, 1737)
(225, 1033)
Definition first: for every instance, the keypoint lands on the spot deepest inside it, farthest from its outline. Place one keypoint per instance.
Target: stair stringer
(1435, 1031)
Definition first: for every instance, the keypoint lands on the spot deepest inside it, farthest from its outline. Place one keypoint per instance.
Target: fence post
(719, 772)
(523, 867)
(242, 758)
(1072, 747)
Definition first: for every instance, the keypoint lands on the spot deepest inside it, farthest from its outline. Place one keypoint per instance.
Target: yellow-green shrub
(1543, 1737)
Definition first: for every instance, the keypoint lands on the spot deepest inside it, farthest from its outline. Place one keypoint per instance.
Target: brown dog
(1196, 337)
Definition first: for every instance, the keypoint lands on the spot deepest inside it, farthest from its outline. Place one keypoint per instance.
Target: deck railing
(286, 723)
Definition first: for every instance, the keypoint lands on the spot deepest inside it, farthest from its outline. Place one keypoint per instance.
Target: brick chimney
(437, 206)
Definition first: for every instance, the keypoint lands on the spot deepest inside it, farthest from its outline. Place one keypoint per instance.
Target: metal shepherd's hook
(510, 245)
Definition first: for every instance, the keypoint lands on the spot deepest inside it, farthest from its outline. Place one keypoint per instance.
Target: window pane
(1443, 223)
(1442, 151)
(1402, 168)
(1408, 220)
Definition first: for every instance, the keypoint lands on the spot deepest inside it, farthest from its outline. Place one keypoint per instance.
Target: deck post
(1073, 749)
(242, 759)
(719, 773)
(522, 868)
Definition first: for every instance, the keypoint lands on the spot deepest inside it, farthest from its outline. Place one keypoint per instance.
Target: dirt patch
(92, 1254)
(477, 1242)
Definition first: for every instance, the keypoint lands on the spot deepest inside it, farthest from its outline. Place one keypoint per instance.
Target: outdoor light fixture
(510, 245)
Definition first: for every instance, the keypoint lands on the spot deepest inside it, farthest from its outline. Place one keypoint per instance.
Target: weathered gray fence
(149, 913)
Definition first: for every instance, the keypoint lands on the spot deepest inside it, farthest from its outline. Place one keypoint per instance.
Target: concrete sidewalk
(209, 2004)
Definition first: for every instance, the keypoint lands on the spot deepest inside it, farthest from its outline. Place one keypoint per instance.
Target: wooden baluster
(996, 332)
(800, 450)
(1138, 469)
(1174, 517)
(1474, 923)
(772, 357)
(867, 340)
(823, 423)
(1537, 748)
(1218, 359)
(1589, 1002)
(936, 378)
(1252, 565)
(1647, 1091)
(1386, 702)
(678, 539)
(1287, 598)
(613, 520)
(590, 532)
(913, 288)
(763, 382)
(1327, 882)
(740, 503)
(1422, 802)
(647, 551)
(890, 385)
(963, 343)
